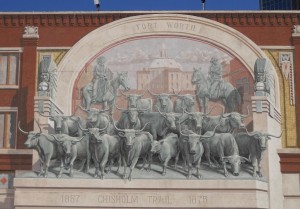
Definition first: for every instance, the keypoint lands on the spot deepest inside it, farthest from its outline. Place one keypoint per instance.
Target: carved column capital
(30, 32)
(296, 31)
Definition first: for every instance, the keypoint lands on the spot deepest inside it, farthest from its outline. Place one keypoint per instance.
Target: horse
(109, 94)
(228, 94)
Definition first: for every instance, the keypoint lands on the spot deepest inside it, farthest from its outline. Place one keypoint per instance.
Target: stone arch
(193, 27)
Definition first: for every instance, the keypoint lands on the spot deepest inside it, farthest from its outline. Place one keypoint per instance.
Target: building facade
(279, 4)
(51, 63)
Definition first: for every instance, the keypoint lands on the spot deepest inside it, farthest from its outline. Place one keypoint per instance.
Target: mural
(178, 105)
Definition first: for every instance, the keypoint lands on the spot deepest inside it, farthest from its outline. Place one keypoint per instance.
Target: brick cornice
(98, 19)
(30, 42)
(289, 160)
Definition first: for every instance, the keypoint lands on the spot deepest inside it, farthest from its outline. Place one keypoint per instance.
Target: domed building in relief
(164, 74)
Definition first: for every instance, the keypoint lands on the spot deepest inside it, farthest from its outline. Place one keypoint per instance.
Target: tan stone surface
(6, 198)
(96, 193)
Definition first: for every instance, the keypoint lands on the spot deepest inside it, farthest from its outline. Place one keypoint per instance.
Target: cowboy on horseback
(215, 78)
(99, 79)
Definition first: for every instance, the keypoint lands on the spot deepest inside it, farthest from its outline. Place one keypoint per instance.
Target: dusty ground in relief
(155, 172)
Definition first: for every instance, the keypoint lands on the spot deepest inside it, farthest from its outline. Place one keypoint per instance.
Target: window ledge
(9, 87)
(16, 151)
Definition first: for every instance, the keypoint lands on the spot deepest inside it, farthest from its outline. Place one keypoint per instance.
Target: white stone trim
(53, 48)
(11, 49)
(207, 30)
(278, 47)
(8, 109)
(9, 87)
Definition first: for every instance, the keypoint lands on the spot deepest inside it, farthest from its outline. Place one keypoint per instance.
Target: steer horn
(275, 136)
(152, 93)
(78, 140)
(187, 135)
(244, 116)
(56, 139)
(82, 108)
(214, 132)
(143, 127)
(121, 109)
(103, 129)
(122, 130)
(159, 110)
(81, 127)
(42, 114)
(24, 132)
(100, 111)
(38, 125)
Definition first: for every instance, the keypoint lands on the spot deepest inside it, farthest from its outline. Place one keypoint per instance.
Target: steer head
(95, 134)
(188, 99)
(156, 146)
(235, 119)
(261, 139)
(193, 140)
(170, 118)
(133, 114)
(163, 99)
(93, 113)
(235, 162)
(132, 99)
(129, 135)
(57, 119)
(32, 137)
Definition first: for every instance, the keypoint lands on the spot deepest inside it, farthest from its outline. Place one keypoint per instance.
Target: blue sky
(125, 5)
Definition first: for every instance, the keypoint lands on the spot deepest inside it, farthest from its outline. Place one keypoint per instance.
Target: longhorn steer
(191, 148)
(160, 123)
(136, 101)
(103, 148)
(130, 118)
(135, 144)
(65, 124)
(73, 148)
(45, 145)
(167, 148)
(164, 102)
(252, 145)
(226, 122)
(185, 102)
(193, 120)
(98, 119)
(224, 146)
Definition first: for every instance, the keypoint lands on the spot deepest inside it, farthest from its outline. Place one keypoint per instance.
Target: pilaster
(267, 119)
(28, 76)
(296, 44)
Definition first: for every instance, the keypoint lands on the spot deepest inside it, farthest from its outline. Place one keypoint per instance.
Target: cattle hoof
(129, 178)
(58, 176)
(254, 175)
(211, 165)
(226, 174)
(95, 175)
(188, 177)
(259, 174)
(142, 169)
(199, 176)
(164, 173)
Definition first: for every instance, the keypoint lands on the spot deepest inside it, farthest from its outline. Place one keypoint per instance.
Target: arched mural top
(192, 27)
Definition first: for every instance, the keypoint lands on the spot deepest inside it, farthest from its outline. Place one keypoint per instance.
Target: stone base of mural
(95, 193)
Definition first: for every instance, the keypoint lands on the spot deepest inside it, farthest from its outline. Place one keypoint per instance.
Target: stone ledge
(289, 160)
(95, 193)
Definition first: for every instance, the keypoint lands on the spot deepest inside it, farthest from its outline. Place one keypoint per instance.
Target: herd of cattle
(141, 133)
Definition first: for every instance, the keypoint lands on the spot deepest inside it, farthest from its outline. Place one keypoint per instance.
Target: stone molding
(296, 31)
(100, 18)
(31, 32)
